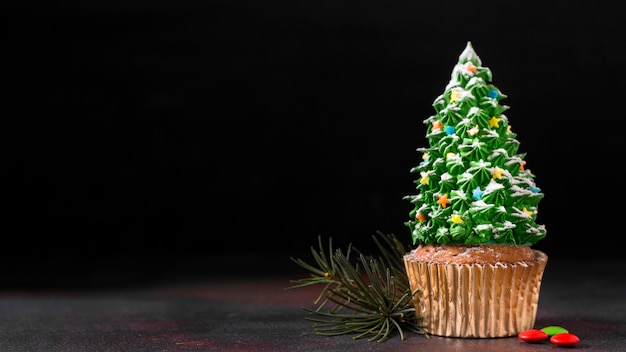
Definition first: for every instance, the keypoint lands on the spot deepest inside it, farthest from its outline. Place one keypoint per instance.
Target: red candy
(557, 335)
(564, 339)
(533, 335)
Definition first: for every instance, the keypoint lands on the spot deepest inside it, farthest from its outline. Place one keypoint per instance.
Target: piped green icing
(473, 186)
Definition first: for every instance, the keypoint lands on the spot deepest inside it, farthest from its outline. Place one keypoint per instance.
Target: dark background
(216, 136)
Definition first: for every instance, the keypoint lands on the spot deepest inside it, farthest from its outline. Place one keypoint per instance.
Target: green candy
(553, 330)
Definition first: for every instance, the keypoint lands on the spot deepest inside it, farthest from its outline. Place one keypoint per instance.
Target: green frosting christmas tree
(473, 185)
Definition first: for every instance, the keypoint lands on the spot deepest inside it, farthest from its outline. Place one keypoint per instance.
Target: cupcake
(474, 217)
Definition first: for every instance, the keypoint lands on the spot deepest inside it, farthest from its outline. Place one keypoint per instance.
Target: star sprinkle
(421, 217)
(454, 96)
(424, 179)
(443, 200)
(425, 156)
(527, 212)
(472, 131)
(456, 218)
(451, 156)
(497, 173)
(521, 167)
(436, 125)
(469, 67)
(477, 194)
(493, 122)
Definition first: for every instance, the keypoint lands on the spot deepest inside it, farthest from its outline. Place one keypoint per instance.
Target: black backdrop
(149, 133)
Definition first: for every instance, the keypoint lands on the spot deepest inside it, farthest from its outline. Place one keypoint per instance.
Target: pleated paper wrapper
(474, 300)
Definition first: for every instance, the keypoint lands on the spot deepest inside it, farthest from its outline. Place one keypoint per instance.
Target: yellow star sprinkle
(456, 218)
(424, 179)
(454, 96)
(425, 156)
(527, 212)
(493, 122)
(450, 156)
(497, 172)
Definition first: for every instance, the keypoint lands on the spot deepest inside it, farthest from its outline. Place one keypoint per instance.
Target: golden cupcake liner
(473, 300)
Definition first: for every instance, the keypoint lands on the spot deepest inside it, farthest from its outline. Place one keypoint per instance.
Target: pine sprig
(392, 252)
(366, 297)
(325, 273)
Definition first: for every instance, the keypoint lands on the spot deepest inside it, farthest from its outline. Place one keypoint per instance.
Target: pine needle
(368, 297)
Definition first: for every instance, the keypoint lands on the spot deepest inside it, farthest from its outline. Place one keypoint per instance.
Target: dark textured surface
(257, 314)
